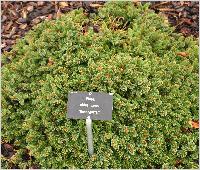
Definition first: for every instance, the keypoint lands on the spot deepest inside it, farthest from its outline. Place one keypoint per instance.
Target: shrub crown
(124, 49)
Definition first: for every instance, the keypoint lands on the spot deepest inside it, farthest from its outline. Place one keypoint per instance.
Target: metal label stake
(90, 106)
(89, 135)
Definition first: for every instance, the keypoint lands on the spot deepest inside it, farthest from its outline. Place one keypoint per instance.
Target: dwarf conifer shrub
(124, 49)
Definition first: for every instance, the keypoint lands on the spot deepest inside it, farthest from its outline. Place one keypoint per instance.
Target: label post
(89, 135)
(90, 106)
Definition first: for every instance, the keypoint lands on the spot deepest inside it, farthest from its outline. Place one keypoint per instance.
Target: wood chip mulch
(183, 15)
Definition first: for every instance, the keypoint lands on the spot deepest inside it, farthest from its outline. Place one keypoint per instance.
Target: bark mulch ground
(183, 15)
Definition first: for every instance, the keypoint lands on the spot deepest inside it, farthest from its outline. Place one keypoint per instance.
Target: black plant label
(97, 105)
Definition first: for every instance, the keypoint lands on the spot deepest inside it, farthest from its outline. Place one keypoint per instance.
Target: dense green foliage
(134, 55)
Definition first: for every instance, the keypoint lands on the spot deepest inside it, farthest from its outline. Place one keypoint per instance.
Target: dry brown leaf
(166, 9)
(108, 76)
(8, 26)
(16, 36)
(159, 4)
(63, 4)
(187, 21)
(3, 45)
(36, 20)
(178, 162)
(24, 14)
(99, 68)
(50, 62)
(34, 4)
(136, 1)
(5, 4)
(40, 3)
(14, 13)
(194, 124)
(182, 3)
(126, 130)
(58, 14)
(85, 30)
(30, 8)
(4, 18)
(21, 20)
(95, 5)
(12, 32)
(23, 26)
(185, 30)
(183, 54)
